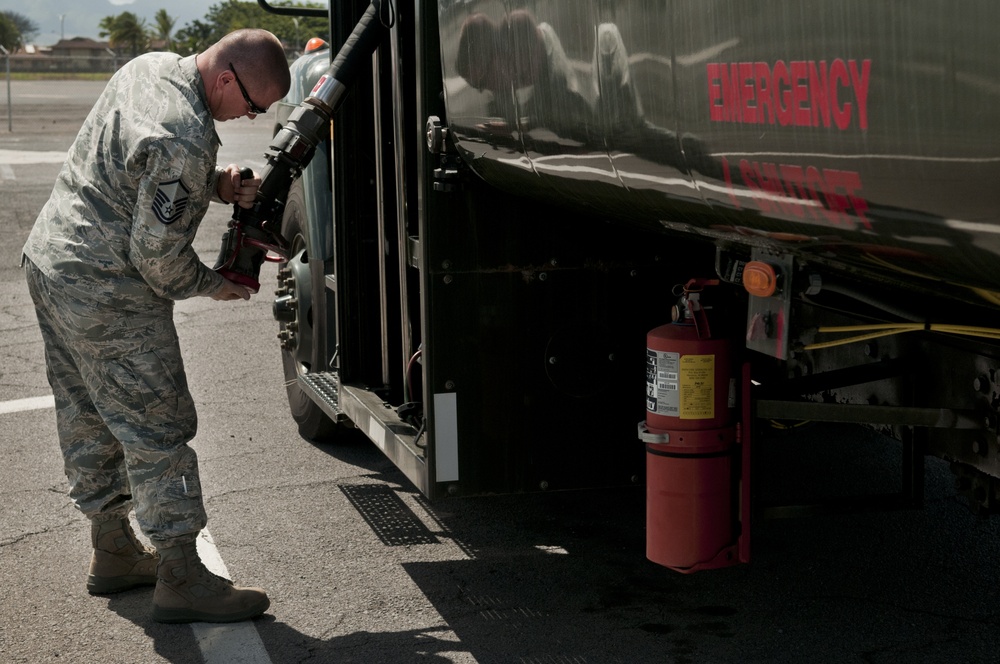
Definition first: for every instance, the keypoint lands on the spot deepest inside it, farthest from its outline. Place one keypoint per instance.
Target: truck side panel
(866, 129)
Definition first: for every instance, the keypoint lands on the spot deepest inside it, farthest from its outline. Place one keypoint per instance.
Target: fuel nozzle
(247, 243)
(251, 238)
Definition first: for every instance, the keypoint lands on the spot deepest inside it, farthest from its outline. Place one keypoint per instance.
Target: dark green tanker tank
(863, 132)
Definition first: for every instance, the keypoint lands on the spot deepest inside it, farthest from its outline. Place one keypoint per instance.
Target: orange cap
(315, 44)
(760, 279)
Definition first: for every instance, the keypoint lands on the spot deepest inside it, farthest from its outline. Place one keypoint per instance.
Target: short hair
(258, 51)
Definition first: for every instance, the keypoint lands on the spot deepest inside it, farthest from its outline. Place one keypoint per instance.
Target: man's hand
(232, 291)
(234, 190)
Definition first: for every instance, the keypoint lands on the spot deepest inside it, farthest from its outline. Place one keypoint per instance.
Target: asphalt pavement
(360, 568)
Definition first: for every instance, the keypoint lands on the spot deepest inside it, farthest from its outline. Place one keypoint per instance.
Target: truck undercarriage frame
(492, 338)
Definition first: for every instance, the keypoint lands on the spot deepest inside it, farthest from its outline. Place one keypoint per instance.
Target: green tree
(229, 15)
(125, 31)
(27, 28)
(298, 30)
(164, 27)
(195, 37)
(10, 38)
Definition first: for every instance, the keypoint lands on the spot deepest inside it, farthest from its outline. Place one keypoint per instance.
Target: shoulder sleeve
(177, 183)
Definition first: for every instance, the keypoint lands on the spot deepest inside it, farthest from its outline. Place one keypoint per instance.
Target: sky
(80, 18)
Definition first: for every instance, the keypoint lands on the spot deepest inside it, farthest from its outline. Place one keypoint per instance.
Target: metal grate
(389, 517)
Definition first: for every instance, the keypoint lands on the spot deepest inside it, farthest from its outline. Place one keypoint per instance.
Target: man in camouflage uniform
(109, 253)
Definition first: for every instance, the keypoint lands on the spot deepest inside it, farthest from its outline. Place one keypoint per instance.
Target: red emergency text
(825, 195)
(801, 93)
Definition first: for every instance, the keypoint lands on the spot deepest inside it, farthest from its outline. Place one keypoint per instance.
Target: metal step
(403, 443)
(322, 388)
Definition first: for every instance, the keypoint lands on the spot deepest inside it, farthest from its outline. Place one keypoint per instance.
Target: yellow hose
(888, 329)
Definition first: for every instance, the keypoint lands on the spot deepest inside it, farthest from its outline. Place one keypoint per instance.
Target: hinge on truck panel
(448, 173)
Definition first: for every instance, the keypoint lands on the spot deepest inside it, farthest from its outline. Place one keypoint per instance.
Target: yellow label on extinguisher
(697, 387)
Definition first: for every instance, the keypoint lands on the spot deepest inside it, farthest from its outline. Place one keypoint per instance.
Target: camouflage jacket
(119, 225)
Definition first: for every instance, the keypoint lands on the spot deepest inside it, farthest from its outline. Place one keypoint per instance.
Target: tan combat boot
(187, 592)
(120, 561)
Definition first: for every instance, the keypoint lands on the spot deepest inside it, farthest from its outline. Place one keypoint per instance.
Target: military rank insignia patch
(170, 201)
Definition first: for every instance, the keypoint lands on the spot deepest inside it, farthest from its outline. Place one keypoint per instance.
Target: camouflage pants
(123, 412)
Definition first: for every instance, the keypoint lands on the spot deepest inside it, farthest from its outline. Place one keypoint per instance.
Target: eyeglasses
(254, 108)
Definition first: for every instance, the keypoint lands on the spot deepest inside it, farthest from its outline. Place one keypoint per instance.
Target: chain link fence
(66, 64)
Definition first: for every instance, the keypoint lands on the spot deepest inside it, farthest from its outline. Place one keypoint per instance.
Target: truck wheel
(300, 332)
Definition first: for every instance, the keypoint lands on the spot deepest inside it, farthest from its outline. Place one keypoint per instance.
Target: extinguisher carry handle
(698, 315)
(699, 283)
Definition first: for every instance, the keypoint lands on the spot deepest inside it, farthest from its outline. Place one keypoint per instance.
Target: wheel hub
(292, 306)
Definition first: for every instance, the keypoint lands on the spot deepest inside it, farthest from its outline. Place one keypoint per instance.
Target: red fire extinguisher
(691, 430)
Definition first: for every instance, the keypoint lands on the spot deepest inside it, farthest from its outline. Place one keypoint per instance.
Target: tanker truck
(556, 244)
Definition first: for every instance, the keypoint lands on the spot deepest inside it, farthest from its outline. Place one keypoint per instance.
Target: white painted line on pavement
(18, 157)
(31, 403)
(225, 643)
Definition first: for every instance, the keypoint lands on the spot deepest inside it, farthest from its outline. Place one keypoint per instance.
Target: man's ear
(224, 78)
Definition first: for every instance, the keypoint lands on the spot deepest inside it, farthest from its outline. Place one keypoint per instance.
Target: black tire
(305, 354)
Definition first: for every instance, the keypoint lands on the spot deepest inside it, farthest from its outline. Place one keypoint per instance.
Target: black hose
(357, 50)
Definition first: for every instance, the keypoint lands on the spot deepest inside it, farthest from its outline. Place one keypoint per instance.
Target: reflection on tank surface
(631, 107)
(536, 110)
(533, 82)
(569, 112)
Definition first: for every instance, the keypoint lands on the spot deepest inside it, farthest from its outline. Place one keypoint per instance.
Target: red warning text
(801, 93)
(825, 195)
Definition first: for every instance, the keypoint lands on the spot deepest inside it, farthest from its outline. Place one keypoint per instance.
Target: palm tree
(164, 26)
(126, 31)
